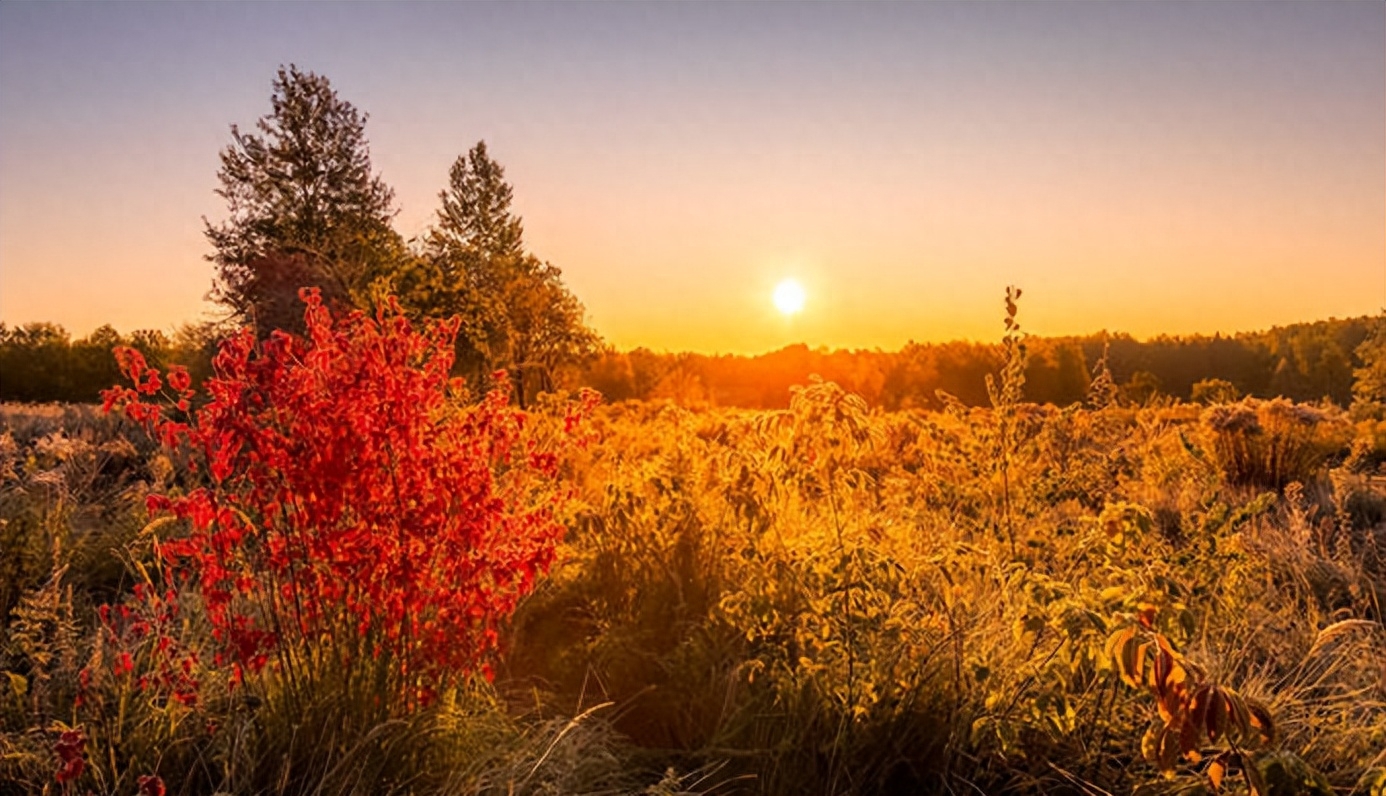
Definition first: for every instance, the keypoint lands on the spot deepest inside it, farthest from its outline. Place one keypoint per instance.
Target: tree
(516, 312)
(544, 325)
(35, 363)
(476, 211)
(305, 207)
(1369, 385)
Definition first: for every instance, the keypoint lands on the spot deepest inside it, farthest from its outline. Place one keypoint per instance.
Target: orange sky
(1144, 168)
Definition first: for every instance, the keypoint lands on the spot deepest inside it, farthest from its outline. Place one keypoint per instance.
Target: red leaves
(69, 751)
(1198, 719)
(347, 492)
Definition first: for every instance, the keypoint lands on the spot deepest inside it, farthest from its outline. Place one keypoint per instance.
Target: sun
(789, 297)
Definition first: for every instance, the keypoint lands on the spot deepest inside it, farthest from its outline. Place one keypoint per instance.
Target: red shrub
(349, 500)
(69, 750)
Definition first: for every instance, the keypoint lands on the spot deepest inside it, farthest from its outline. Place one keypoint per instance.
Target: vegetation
(826, 598)
(516, 313)
(336, 559)
(1305, 362)
(1287, 361)
(307, 209)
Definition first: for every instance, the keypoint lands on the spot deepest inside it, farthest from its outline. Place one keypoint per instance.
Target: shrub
(1269, 444)
(352, 513)
(1213, 391)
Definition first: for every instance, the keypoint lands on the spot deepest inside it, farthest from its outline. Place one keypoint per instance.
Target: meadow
(349, 574)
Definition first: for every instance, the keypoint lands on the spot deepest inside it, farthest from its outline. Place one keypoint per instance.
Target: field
(1101, 598)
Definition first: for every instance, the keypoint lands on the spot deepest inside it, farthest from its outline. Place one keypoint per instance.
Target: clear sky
(1139, 167)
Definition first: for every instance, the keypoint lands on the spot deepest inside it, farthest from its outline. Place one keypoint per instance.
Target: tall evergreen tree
(475, 213)
(516, 312)
(305, 207)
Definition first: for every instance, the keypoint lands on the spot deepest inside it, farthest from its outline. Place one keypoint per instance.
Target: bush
(359, 539)
(1269, 444)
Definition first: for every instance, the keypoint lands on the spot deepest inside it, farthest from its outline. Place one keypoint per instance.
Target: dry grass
(821, 600)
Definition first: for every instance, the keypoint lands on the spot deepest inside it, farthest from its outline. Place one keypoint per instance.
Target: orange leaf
(1216, 771)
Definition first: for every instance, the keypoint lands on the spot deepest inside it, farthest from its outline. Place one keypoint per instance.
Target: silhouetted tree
(35, 363)
(305, 207)
(475, 213)
(516, 312)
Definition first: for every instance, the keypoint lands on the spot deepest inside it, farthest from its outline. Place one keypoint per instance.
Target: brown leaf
(1198, 707)
(1260, 718)
(1217, 715)
(1189, 736)
(1169, 752)
(1146, 615)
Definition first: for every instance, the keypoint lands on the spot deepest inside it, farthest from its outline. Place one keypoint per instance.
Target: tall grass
(826, 599)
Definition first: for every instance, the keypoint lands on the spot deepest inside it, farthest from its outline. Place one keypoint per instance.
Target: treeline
(40, 362)
(1305, 362)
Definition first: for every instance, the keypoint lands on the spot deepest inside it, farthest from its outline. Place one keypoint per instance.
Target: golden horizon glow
(789, 297)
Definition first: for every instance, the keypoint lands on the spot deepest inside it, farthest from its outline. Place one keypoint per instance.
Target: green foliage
(40, 362)
(70, 486)
(1285, 774)
(516, 313)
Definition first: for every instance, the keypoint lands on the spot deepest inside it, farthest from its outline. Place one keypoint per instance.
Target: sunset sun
(789, 297)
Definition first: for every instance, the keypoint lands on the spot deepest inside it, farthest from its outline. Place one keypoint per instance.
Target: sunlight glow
(789, 297)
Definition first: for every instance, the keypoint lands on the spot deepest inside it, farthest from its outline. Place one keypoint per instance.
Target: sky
(1137, 167)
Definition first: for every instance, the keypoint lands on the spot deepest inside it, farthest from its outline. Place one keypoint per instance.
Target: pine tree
(516, 312)
(305, 207)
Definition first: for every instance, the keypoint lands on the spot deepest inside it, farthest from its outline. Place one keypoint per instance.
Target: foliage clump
(1270, 444)
(347, 499)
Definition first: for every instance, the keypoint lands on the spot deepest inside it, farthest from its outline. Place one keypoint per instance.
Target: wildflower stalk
(1004, 400)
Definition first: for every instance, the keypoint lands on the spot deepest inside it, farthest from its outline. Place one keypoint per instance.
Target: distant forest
(1305, 362)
